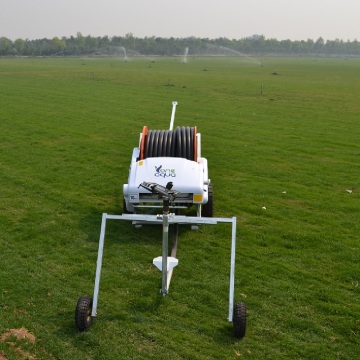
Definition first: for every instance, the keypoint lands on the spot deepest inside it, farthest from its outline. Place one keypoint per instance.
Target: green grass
(67, 130)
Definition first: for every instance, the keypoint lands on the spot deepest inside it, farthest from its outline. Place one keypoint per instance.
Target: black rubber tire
(239, 320)
(83, 318)
(208, 208)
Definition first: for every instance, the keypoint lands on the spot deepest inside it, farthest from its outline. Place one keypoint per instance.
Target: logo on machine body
(165, 173)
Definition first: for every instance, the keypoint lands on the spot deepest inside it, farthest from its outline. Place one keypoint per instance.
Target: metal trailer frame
(166, 219)
(86, 308)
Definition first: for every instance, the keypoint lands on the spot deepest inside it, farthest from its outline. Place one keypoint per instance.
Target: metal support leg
(232, 269)
(173, 253)
(99, 264)
(165, 250)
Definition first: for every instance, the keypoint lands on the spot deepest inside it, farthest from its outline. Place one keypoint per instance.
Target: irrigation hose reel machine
(167, 173)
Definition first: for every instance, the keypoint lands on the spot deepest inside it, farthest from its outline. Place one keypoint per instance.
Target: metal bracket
(165, 221)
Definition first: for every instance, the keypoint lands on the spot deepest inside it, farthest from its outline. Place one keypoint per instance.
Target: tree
(310, 45)
(319, 45)
(80, 42)
(129, 41)
(255, 44)
(4, 46)
(286, 46)
(91, 44)
(58, 45)
(19, 46)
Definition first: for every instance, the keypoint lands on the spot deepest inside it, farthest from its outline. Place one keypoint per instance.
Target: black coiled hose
(170, 143)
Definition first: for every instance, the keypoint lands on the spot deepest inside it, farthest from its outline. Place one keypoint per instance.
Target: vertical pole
(165, 247)
(232, 269)
(173, 115)
(173, 253)
(198, 139)
(98, 265)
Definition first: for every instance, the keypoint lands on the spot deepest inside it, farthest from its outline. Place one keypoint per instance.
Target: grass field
(285, 162)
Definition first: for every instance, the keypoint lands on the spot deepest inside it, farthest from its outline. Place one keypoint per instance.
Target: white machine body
(189, 178)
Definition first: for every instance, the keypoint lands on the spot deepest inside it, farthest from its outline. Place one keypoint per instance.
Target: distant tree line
(128, 45)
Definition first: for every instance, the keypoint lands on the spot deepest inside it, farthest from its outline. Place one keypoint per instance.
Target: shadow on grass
(130, 320)
(124, 230)
(224, 335)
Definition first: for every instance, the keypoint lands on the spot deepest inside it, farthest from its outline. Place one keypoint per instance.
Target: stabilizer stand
(167, 262)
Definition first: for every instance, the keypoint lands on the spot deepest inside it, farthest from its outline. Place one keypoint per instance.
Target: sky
(232, 19)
